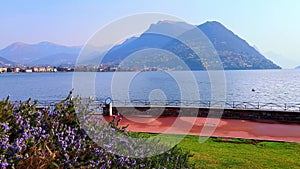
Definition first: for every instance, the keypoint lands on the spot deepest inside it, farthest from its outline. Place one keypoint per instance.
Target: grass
(238, 153)
(242, 153)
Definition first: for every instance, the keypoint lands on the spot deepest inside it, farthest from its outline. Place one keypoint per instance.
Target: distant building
(35, 69)
(16, 70)
(3, 69)
(42, 69)
(28, 70)
(49, 69)
(68, 69)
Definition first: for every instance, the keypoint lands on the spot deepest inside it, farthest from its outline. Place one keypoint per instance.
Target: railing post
(257, 105)
(208, 103)
(233, 104)
(285, 106)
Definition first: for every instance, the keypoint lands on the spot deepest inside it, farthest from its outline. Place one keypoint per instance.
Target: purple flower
(121, 160)
(5, 127)
(123, 141)
(127, 160)
(133, 163)
(5, 139)
(3, 164)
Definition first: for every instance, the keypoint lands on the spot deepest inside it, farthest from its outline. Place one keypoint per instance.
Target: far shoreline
(122, 71)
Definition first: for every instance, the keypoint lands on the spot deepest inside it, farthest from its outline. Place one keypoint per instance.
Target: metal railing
(99, 103)
(211, 104)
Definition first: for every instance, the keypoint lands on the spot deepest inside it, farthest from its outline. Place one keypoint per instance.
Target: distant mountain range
(44, 53)
(234, 52)
(4, 61)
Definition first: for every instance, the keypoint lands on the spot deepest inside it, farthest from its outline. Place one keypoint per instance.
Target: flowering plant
(55, 138)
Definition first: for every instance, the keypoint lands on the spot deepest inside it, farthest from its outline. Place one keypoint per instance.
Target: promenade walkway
(225, 128)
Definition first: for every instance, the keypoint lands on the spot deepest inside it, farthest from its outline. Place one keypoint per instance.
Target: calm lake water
(276, 86)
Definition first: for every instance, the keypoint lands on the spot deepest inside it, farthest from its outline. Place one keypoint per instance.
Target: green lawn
(239, 153)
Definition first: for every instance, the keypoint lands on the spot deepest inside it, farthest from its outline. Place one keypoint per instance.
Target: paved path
(214, 127)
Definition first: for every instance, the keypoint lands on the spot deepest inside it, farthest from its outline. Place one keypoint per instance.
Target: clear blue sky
(271, 25)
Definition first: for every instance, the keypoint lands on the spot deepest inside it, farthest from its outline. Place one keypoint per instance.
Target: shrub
(55, 138)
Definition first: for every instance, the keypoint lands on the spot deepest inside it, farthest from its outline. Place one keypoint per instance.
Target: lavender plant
(57, 138)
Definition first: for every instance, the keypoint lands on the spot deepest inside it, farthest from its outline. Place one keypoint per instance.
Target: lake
(275, 86)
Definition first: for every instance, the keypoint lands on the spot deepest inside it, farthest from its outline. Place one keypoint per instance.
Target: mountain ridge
(225, 42)
(234, 52)
(24, 53)
(4, 61)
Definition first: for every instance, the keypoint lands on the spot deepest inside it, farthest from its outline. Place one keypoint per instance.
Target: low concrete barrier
(228, 113)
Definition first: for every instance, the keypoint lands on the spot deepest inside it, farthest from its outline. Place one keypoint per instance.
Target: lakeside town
(35, 69)
(62, 68)
(81, 68)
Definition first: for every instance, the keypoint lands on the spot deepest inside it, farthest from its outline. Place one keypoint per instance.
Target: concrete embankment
(228, 113)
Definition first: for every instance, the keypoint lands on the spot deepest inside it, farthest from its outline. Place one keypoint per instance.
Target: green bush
(55, 138)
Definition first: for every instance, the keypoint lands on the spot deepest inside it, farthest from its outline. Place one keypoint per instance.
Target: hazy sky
(271, 25)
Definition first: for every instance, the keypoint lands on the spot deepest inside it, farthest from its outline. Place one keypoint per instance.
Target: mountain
(234, 52)
(149, 49)
(39, 53)
(298, 67)
(4, 61)
(57, 59)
